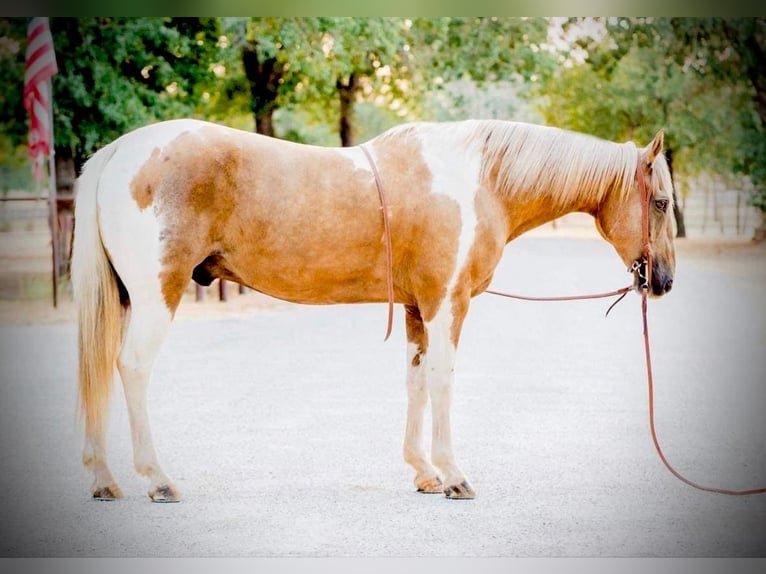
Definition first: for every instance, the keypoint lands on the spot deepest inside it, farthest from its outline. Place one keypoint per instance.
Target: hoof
(430, 486)
(462, 491)
(111, 492)
(165, 493)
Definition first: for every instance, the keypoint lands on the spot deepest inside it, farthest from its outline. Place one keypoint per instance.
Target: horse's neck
(528, 210)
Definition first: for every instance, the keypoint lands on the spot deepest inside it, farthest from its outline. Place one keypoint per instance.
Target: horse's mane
(527, 158)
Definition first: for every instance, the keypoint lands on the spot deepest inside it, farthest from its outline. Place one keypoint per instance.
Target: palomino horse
(187, 199)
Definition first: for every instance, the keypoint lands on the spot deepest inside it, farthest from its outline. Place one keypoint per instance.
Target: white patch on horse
(357, 156)
(441, 350)
(130, 234)
(441, 155)
(440, 377)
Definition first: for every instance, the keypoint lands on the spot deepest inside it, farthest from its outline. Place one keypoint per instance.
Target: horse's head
(620, 219)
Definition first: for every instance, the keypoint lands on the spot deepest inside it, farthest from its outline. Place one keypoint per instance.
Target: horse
(182, 200)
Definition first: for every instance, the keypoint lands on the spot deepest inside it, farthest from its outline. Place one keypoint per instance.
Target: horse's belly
(341, 277)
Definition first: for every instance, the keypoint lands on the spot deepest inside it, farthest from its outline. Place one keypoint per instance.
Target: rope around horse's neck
(621, 291)
(387, 235)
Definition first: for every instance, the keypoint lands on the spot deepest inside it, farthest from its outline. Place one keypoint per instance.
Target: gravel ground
(283, 425)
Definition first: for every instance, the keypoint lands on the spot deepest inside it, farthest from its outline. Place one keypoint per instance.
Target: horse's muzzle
(662, 281)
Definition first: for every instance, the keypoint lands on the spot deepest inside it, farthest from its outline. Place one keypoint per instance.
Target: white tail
(97, 296)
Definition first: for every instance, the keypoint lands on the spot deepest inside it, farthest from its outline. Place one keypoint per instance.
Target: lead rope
(650, 382)
(649, 376)
(387, 235)
(644, 268)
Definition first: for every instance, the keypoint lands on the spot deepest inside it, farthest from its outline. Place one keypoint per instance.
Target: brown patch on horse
(191, 183)
(300, 223)
(416, 333)
(297, 222)
(143, 184)
(483, 257)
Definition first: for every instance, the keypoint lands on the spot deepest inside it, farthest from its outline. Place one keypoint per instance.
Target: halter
(643, 265)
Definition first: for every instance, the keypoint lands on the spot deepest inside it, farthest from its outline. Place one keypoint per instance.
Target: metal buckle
(640, 266)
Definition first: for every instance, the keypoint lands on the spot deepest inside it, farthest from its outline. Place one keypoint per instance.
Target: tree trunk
(66, 172)
(346, 93)
(264, 122)
(263, 78)
(67, 169)
(677, 212)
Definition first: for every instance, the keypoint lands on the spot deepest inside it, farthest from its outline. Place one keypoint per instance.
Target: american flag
(40, 66)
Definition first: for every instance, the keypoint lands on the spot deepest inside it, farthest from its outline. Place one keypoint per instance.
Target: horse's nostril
(668, 285)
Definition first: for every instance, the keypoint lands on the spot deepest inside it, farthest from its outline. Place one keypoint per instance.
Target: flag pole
(52, 198)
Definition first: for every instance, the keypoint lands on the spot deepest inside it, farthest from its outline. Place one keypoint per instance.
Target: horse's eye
(662, 204)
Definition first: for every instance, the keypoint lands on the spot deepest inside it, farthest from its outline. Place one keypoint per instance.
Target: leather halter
(643, 265)
(387, 236)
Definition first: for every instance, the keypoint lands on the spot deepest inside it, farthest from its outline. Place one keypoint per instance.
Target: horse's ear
(655, 148)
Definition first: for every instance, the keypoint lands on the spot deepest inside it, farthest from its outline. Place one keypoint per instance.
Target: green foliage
(15, 168)
(314, 55)
(482, 49)
(119, 73)
(12, 53)
(392, 63)
(115, 74)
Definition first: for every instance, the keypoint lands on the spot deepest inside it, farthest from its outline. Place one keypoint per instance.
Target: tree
(15, 171)
(331, 64)
(457, 59)
(483, 49)
(115, 74)
(324, 62)
(732, 51)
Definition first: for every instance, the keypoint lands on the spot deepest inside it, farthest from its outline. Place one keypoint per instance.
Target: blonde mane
(529, 159)
(571, 167)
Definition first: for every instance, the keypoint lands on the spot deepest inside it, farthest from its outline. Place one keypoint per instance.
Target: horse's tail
(97, 295)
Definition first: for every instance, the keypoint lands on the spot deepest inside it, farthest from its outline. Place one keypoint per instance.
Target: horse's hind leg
(94, 458)
(426, 478)
(148, 324)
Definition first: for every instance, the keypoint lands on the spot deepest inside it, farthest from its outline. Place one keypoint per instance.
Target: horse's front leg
(426, 478)
(442, 335)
